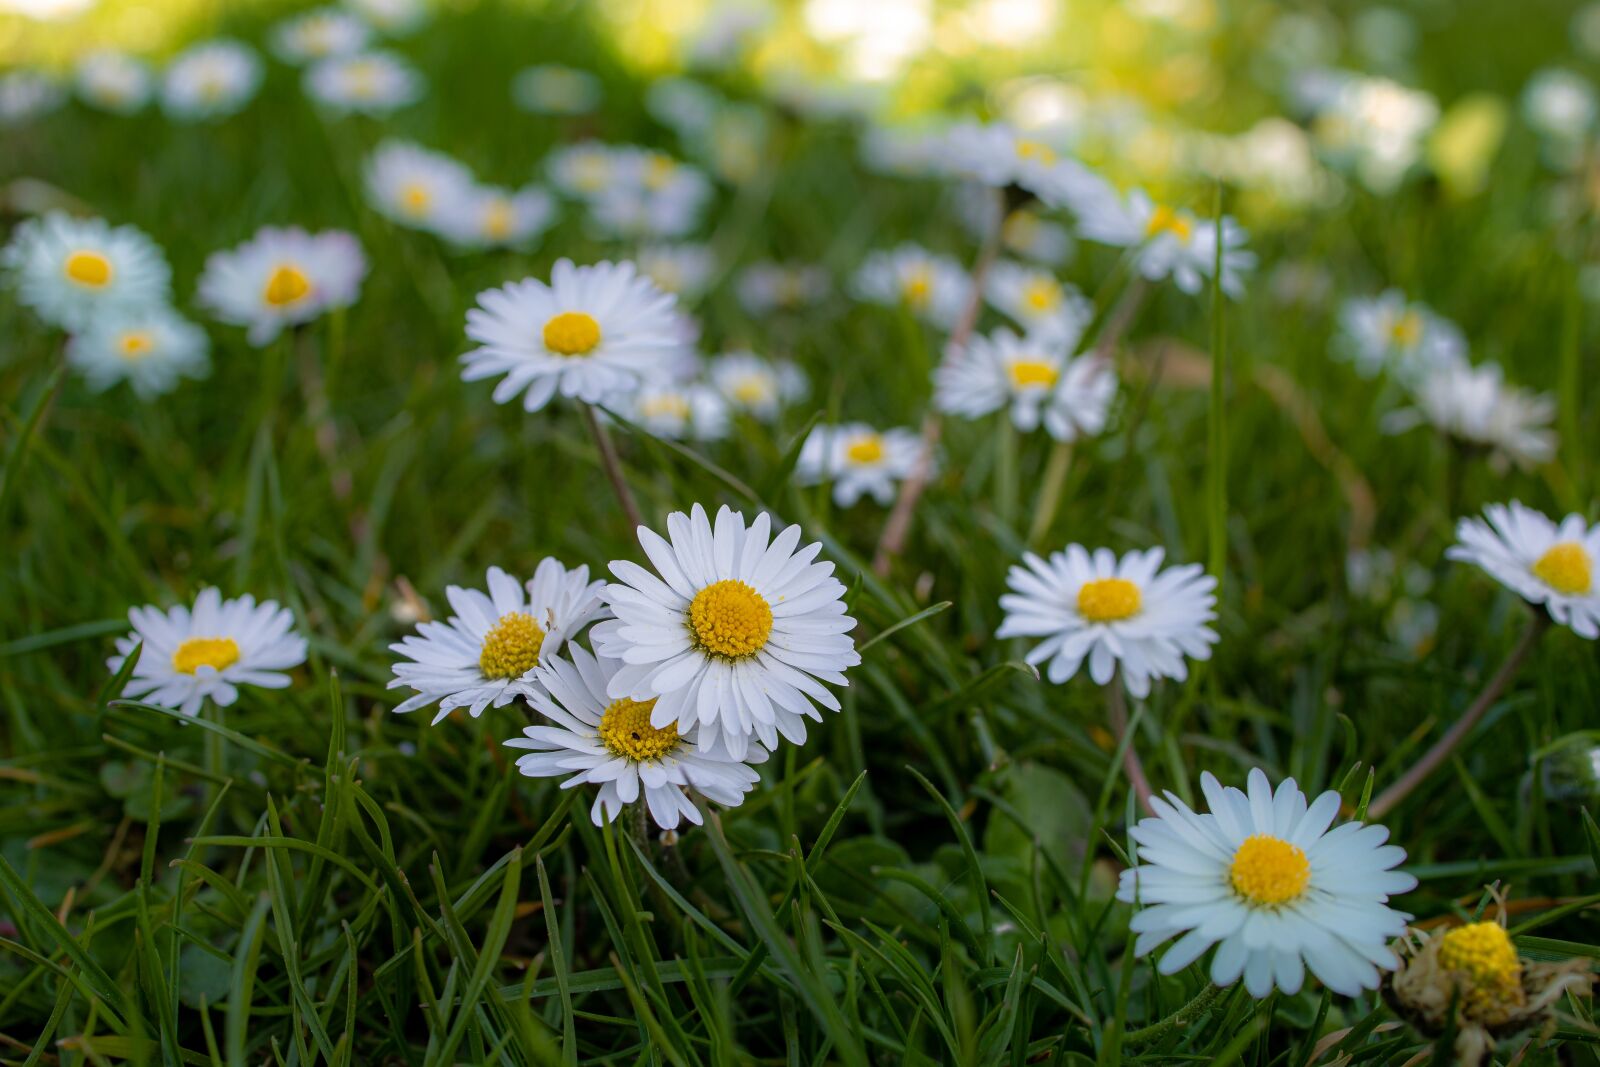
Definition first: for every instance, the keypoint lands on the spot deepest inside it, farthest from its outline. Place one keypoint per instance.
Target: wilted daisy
(485, 654)
(414, 186)
(1477, 407)
(1035, 376)
(555, 90)
(1169, 241)
(612, 741)
(1264, 876)
(27, 94)
(1035, 299)
(1543, 562)
(282, 277)
(767, 287)
(368, 83)
(996, 155)
(684, 270)
(69, 270)
(1390, 333)
(150, 347)
(114, 81)
(592, 331)
(1125, 613)
(490, 216)
(394, 18)
(209, 651)
(210, 80)
(933, 287)
(677, 412)
(859, 460)
(735, 637)
(758, 386)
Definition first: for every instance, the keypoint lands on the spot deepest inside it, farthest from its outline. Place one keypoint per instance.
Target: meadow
(946, 868)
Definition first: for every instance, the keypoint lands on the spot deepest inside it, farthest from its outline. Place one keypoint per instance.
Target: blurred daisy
(932, 287)
(27, 94)
(1389, 333)
(758, 386)
(189, 655)
(592, 332)
(1126, 613)
(737, 634)
(69, 270)
(1560, 104)
(996, 155)
(114, 81)
(1036, 377)
(902, 151)
(1543, 562)
(369, 83)
(554, 90)
(393, 18)
(485, 654)
(650, 194)
(767, 287)
(414, 186)
(210, 80)
(583, 170)
(684, 270)
(149, 347)
(678, 412)
(1262, 874)
(1169, 242)
(282, 277)
(487, 216)
(1035, 299)
(726, 31)
(319, 34)
(1477, 407)
(858, 460)
(613, 742)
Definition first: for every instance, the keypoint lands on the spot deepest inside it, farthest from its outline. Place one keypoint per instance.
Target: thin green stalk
(1217, 444)
(1005, 470)
(1050, 488)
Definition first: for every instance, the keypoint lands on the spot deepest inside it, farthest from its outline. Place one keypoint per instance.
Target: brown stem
(1117, 705)
(613, 467)
(1456, 734)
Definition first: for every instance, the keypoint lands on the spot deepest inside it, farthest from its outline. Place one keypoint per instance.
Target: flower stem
(1005, 470)
(1049, 498)
(1177, 1020)
(1447, 744)
(1117, 708)
(612, 466)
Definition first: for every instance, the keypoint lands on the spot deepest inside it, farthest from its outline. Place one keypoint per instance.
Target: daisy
(737, 634)
(368, 83)
(758, 386)
(282, 277)
(932, 287)
(114, 81)
(319, 34)
(1126, 613)
(1262, 874)
(593, 331)
(1390, 333)
(554, 90)
(726, 31)
(1035, 376)
(902, 151)
(1476, 406)
(858, 460)
(1541, 561)
(650, 195)
(485, 654)
(767, 287)
(684, 270)
(1025, 233)
(414, 186)
(394, 18)
(27, 94)
(491, 216)
(583, 171)
(69, 270)
(1035, 299)
(150, 348)
(996, 155)
(614, 741)
(1169, 242)
(188, 655)
(212, 79)
(678, 412)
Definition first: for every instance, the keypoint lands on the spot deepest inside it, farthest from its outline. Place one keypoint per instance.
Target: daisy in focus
(735, 636)
(189, 655)
(1033, 376)
(150, 348)
(690, 412)
(1170, 242)
(1544, 562)
(210, 80)
(684, 270)
(1476, 406)
(932, 287)
(1123, 615)
(490, 216)
(367, 83)
(592, 332)
(556, 90)
(282, 277)
(760, 387)
(1036, 300)
(70, 270)
(1390, 333)
(613, 741)
(319, 34)
(485, 654)
(1264, 878)
(414, 186)
(767, 287)
(859, 460)
(114, 81)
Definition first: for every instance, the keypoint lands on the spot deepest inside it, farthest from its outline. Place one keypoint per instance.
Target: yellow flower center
(1109, 599)
(1269, 870)
(287, 285)
(917, 287)
(1405, 331)
(728, 618)
(511, 647)
(865, 449)
(416, 198)
(1019, 229)
(363, 76)
(88, 268)
(498, 218)
(1566, 568)
(571, 333)
(750, 390)
(1042, 294)
(626, 731)
(1485, 955)
(135, 345)
(658, 171)
(1036, 151)
(1164, 219)
(1028, 373)
(664, 406)
(218, 653)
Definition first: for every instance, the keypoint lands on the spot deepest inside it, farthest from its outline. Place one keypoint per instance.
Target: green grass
(306, 878)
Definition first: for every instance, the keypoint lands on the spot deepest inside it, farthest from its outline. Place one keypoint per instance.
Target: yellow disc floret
(1026, 373)
(1269, 871)
(1109, 599)
(1566, 568)
(917, 287)
(572, 333)
(1164, 219)
(868, 448)
(1036, 151)
(1405, 331)
(287, 285)
(729, 618)
(416, 198)
(1485, 955)
(88, 268)
(511, 647)
(135, 345)
(218, 653)
(625, 730)
(498, 219)
(1042, 295)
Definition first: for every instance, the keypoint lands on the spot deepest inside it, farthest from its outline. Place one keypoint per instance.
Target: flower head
(69, 271)
(414, 186)
(684, 270)
(1390, 333)
(282, 277)
(368, 83)
(767, 287)
(1475, 405)
(1169, 241)
(114, 81)
(150, 348)
(555, 90)
(210, 80)
(759, 386)
(1544, 562)
(932, 287)
(1034, 299)
(1034, 376)
(859, 460)
(319, 34)
(488, 216)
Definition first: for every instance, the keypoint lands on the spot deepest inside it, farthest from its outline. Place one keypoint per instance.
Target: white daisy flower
(726, 31)
(485, 654)
(114, 81)
(319, 34)
(1390, 333)
(189, 655)
(1025, 233)
(1476, 406)
(1543, 562)
(933, 287)
(592, 332)
(758, 386)
(393, 18)
(212, 79)
(548, 89)
(1263, 875)
(1113, 612)
(1561, 106)
(585, 170)
(282, 277)
(902, 151)
(613, 741)
(737, 634)
(1035, 376)
(149, 347)
(367, 83)
(678, 412)
(27, 94)
(414, 186)
(684, 270)
(1035, 299)
(767, 287)
(996, 155)
(489, 216)
(650, 195)
(1170, 242)
(859, 460)
(70, 270)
